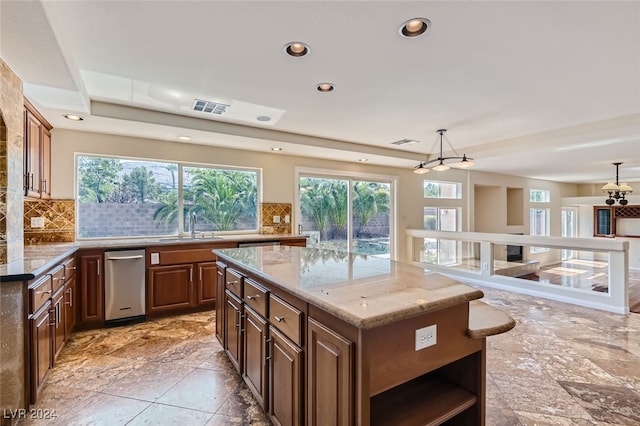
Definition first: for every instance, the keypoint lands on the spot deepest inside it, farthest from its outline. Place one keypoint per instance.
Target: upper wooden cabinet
(37, 153)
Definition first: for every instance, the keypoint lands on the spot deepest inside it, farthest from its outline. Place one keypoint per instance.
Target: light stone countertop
(38, 258)
(365, 291)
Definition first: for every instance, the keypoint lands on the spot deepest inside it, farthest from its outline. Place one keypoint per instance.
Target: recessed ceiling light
(276, 149)
(73, 117)
(263, 118)
(296, 48)
(325, 87)
(414, 27)
(184, 138)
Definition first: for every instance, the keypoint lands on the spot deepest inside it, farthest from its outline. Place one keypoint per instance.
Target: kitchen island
(328, 337)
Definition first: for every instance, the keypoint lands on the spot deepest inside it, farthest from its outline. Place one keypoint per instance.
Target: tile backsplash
(59, 221)
(271, 213)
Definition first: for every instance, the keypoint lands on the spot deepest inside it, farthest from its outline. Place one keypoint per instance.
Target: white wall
(630, 226)
(279, 174)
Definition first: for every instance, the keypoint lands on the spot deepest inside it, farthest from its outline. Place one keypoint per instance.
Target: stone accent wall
(12, 294)
(268, 211)
(11, 165)
(59, 221)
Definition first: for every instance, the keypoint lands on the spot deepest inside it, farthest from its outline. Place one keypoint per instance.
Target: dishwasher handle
(125, 257)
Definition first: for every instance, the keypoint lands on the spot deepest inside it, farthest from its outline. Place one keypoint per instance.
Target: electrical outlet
(276, 219)
(287, 218)
(485, 266)
(426, 337)
(37, 222)
(155, 258)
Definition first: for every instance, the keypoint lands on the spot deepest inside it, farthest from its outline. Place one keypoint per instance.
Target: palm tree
(314, 201)
(369, 199)
(338, 205)
(224, 198)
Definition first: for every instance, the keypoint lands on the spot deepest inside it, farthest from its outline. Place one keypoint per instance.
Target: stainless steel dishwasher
(124, 290)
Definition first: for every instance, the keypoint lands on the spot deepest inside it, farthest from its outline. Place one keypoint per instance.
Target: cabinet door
(329, 375)
(41, 351)
(220, 302)
(70, 305)
(285, 380)
(255, 360)
(604, 223)
(169, 287)
(233, 334)
(207, 279)
(45, 164)
(33, 133)
(58, 322)
(92, 287)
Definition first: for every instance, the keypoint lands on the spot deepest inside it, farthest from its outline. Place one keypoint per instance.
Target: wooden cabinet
(70, 294)
(604, 223)
(91, 297)
(254, 328)
(232, 332)
(170, 288)
(207, 282)
(41, 349)
(285, 380)
(37, 154)
(182, 278)
(48, 323)
(329, 376)
(220, 287)
(58, 322)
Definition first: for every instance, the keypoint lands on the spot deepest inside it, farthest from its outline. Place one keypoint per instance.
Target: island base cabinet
(285, 380)
(255, 342)
(330, 377)
(220, 302)
(233, 334)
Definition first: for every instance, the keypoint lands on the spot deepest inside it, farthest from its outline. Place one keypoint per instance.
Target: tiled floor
(560, 365)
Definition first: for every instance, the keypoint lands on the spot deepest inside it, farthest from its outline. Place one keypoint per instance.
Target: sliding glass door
(347, 214)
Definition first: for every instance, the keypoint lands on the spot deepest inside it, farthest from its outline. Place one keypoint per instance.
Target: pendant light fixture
(464, 163)
(617, 191)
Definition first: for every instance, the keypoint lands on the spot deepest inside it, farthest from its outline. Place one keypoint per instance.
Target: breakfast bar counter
(327, 336)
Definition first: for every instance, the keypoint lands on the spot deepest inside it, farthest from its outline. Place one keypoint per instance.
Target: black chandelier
(464, 162)
(617, 191)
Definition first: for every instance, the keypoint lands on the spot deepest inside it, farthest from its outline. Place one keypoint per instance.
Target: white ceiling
(547, 90)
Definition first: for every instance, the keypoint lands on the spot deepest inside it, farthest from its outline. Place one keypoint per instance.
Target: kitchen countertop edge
(38, 258)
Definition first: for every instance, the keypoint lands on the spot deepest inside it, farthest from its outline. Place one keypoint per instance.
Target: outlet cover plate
(426, 336)
(37, 222)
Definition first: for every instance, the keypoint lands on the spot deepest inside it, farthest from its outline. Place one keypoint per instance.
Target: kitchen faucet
(192, 224)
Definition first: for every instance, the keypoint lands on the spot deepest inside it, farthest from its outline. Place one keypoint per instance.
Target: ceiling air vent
(209, 106)
(404, 142)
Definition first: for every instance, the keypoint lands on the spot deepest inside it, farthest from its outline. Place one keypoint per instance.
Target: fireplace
(514, 253)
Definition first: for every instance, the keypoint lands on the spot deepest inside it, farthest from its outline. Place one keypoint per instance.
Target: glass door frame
(351, 177)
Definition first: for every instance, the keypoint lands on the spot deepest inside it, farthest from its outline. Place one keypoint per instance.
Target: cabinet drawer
(233, 282)
(286, 318)
(69, 268)
(57, 277)
(255, 296)
(39, 293)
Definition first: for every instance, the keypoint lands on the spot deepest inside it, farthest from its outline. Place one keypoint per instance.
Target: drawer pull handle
(59, 278)
(44, 292)
(257, 296)
(279, 319)
(232, 282)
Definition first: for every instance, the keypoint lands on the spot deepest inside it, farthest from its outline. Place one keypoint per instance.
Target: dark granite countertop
(38, 258)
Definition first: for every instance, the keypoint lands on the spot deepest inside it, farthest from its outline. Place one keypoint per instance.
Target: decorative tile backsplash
(59, 221)
(276, 218)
